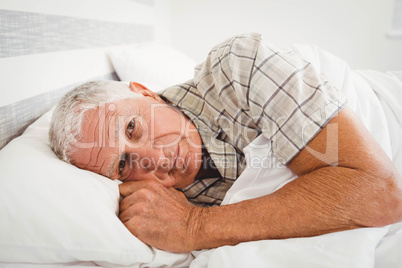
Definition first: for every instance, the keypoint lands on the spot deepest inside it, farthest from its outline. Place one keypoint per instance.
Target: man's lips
(177, 156)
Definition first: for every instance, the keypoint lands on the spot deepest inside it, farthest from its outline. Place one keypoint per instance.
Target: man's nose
(155, 158)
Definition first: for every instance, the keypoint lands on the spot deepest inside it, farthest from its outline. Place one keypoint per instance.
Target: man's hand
(157, 215)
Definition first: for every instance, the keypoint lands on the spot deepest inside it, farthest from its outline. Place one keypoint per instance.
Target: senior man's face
(139, 139)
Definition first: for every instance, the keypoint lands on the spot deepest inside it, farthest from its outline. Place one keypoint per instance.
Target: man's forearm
(326, 200)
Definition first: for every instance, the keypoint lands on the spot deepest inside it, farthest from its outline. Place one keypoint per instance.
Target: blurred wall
(355, 30)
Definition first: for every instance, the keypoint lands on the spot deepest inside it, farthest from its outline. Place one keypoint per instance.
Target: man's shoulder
(242, 45)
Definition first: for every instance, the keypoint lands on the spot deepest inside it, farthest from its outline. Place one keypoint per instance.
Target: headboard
(48, 47)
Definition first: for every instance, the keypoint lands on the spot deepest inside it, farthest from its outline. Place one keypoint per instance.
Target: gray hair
(67, 117)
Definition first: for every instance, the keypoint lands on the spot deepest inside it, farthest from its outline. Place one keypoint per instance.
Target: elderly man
(178, 152)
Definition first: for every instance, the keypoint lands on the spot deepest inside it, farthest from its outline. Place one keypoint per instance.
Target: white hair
(67, 117)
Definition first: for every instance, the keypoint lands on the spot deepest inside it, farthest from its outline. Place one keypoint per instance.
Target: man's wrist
(207, 227)
(195, 220)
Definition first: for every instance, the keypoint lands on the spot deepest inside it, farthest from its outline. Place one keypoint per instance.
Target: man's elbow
(388, 201)
(395, 202)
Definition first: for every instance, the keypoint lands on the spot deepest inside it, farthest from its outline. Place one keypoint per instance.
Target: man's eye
(130, 127)
(122, 164)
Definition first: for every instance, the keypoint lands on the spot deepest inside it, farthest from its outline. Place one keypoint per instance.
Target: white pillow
(53, 212)
(152, 63)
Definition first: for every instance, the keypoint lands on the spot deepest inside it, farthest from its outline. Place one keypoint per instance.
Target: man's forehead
(96, 143)
(95, 159)
(100, 126)
(99, 142)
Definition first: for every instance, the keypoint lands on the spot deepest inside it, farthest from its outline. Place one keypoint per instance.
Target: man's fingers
(126, 188)
(126, 215)
(129, 187)
(127, 202)
(174, 190)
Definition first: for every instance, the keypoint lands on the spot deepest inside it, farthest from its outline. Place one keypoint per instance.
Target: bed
(56, 215)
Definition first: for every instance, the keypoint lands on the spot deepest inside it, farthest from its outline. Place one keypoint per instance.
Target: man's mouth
(177, 156)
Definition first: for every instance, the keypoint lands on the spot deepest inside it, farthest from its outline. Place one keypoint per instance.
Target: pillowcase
(53, 212)
(152, 63)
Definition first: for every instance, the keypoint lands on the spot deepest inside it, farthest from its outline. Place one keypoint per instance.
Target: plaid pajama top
(243, 89)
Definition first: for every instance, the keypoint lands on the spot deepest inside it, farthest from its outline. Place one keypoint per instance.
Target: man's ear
(143, 90)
